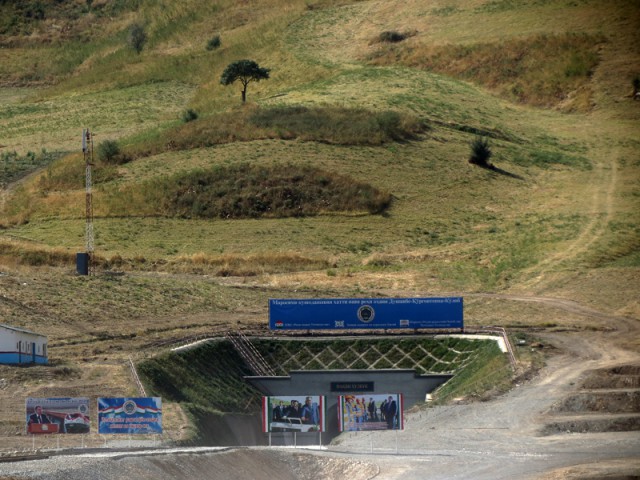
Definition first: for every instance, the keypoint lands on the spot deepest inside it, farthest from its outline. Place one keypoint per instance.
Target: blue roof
(22, 330)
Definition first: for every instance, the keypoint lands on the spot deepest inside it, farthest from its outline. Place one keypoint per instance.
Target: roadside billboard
(370, 412)
(130, 415)
(365, 313)
(297, 413)
(57, 415)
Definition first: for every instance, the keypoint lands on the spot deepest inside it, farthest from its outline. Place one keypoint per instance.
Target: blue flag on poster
(130, 415)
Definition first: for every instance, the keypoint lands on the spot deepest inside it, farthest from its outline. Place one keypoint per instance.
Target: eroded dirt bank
(222, 464)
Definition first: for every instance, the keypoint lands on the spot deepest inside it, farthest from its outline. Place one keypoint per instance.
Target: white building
(18, 345)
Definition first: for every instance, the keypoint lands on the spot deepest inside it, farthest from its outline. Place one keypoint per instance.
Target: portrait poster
(57, 415)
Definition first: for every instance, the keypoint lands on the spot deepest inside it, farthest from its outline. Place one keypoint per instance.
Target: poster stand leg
(320, 444)
(396, 442)
(295, 440)
(269, 438)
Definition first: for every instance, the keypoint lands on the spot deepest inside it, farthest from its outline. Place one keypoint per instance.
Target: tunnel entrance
(333, 383)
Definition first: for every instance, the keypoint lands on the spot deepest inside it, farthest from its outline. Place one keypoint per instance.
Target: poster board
(57, 415)
(141, 415)
(366, 313)
(361, 412)
(294, 413)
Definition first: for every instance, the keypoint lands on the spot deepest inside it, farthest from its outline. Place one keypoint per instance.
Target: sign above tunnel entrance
(366, 313)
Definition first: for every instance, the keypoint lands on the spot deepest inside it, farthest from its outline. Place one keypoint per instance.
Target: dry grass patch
(542, 70)
(28, 254)
(245, 265)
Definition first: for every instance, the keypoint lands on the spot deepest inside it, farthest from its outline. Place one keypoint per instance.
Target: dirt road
(502, 438)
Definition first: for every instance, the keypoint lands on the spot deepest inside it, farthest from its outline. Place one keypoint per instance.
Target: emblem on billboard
(129, 407)
(366, 313)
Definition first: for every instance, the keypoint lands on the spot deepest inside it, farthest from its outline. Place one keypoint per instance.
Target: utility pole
(84, 260)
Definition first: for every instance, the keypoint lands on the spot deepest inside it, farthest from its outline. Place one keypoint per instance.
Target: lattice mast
(87, 151)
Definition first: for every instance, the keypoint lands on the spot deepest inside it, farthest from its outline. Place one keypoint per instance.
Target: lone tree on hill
(246, 71)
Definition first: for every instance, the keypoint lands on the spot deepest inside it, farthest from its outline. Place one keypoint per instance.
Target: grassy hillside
(561, 198)
(386, 96)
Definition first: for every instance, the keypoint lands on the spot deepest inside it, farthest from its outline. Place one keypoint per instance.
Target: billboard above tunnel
(366, 313)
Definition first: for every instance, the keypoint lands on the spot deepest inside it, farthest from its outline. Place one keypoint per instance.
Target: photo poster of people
(57, 415)
(296, 413)
(358, 412)
(141, 415)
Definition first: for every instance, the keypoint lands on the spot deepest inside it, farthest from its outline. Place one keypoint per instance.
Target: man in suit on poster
(391, 411)
(373, 417)
(38, 416)
(278, 412)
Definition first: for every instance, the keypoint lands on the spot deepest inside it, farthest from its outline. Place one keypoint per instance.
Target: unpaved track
(500, 439)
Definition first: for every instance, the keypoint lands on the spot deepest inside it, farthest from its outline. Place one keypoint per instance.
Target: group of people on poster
(308, 412)
(379, 413)
(355, 412)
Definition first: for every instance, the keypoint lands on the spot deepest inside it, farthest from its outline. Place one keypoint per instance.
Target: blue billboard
(130, 415)
(365, 313)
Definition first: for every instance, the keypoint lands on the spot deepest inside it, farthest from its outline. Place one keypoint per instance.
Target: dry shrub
(392, 36)
(254, 191)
